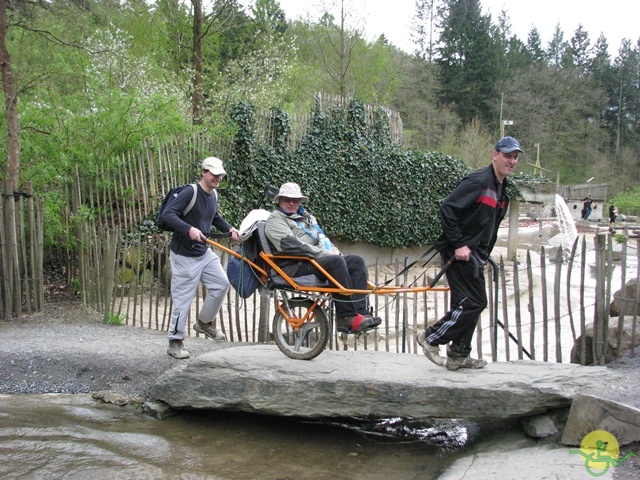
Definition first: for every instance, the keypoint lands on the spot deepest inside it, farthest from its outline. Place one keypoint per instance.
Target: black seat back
(266, 246)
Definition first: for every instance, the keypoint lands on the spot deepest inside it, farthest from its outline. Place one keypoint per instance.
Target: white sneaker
(432, 352)
(209, 331)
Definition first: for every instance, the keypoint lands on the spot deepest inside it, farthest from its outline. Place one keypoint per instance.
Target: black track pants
(468, 300)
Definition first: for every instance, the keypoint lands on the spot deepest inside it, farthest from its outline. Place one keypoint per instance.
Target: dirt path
(68, 349)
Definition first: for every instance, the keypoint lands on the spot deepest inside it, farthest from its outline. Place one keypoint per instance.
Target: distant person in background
(586, 207)
(613, 213)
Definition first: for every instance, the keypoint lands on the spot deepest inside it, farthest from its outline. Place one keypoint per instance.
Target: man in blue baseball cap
(508, 145)
(470, 217)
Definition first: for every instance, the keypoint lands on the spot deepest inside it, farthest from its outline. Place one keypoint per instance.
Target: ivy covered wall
(361, 185)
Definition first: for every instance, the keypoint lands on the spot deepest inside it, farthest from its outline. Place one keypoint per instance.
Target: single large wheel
(310, 339)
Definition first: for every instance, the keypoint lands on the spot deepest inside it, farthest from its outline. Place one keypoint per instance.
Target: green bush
(126, 275)
(628, 203)
(112, 318)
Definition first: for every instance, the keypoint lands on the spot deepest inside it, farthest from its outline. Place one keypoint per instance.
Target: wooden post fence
(21, 289)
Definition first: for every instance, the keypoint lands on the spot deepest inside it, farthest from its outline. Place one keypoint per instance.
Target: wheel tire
(289, 341)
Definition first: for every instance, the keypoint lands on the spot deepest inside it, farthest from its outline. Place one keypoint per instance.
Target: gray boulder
(540, 426)
(613, 349)
(589, 413)
(625, 300)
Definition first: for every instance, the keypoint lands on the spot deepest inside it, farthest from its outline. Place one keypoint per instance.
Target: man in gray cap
(470, 217)
(293, 230)
(192, 261)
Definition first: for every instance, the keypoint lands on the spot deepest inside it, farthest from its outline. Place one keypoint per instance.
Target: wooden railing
(551, 310)
(21, 254)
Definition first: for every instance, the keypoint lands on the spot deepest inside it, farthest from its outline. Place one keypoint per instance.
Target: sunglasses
(289, 200)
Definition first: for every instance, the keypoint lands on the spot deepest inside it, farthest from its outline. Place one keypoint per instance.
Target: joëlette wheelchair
(301, 325)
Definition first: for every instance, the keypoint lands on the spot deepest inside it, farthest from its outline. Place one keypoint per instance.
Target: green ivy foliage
(518, 180)
(361, 186)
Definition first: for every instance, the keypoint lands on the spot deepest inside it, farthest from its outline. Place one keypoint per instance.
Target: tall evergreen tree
(627, 91)
(556, 49)
(534, 46)
(578, 52)
(516, 58)
(600, 64)
(502, 31)
(423, 26)
(269, 18)
(468, 60)
(602, 73)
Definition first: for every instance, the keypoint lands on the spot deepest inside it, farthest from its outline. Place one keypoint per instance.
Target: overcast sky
(615, 18)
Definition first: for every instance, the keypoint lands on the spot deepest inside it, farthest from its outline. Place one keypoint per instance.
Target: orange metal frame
(296, 322)
(270, 260)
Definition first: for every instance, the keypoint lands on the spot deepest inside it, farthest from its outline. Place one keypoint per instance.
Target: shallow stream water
(75, 437)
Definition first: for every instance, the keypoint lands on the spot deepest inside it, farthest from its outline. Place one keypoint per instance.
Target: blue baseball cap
(508, 145)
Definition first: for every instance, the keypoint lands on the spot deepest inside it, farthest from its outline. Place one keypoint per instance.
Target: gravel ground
(67, 348)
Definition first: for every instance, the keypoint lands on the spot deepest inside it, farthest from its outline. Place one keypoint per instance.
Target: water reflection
(73, 437)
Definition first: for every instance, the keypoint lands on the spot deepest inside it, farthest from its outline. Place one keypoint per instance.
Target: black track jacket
(472, 213)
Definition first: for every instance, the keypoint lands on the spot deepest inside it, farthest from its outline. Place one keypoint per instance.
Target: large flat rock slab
(259, 378)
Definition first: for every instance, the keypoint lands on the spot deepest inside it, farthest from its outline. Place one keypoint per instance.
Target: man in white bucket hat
(293, 230)
(192, 261)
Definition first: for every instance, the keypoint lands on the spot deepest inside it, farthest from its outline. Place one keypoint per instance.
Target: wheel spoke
(310, 339)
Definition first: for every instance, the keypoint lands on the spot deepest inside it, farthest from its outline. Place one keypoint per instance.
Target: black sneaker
(376, 321)
(357, 323)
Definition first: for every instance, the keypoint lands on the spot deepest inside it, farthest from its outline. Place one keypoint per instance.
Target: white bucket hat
(290, 190)
(214, 165)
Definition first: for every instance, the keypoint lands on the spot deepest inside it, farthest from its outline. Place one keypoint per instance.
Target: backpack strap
(192, 202)
(319, 237)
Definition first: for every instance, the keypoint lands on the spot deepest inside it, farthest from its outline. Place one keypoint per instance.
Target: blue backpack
(170, 196)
